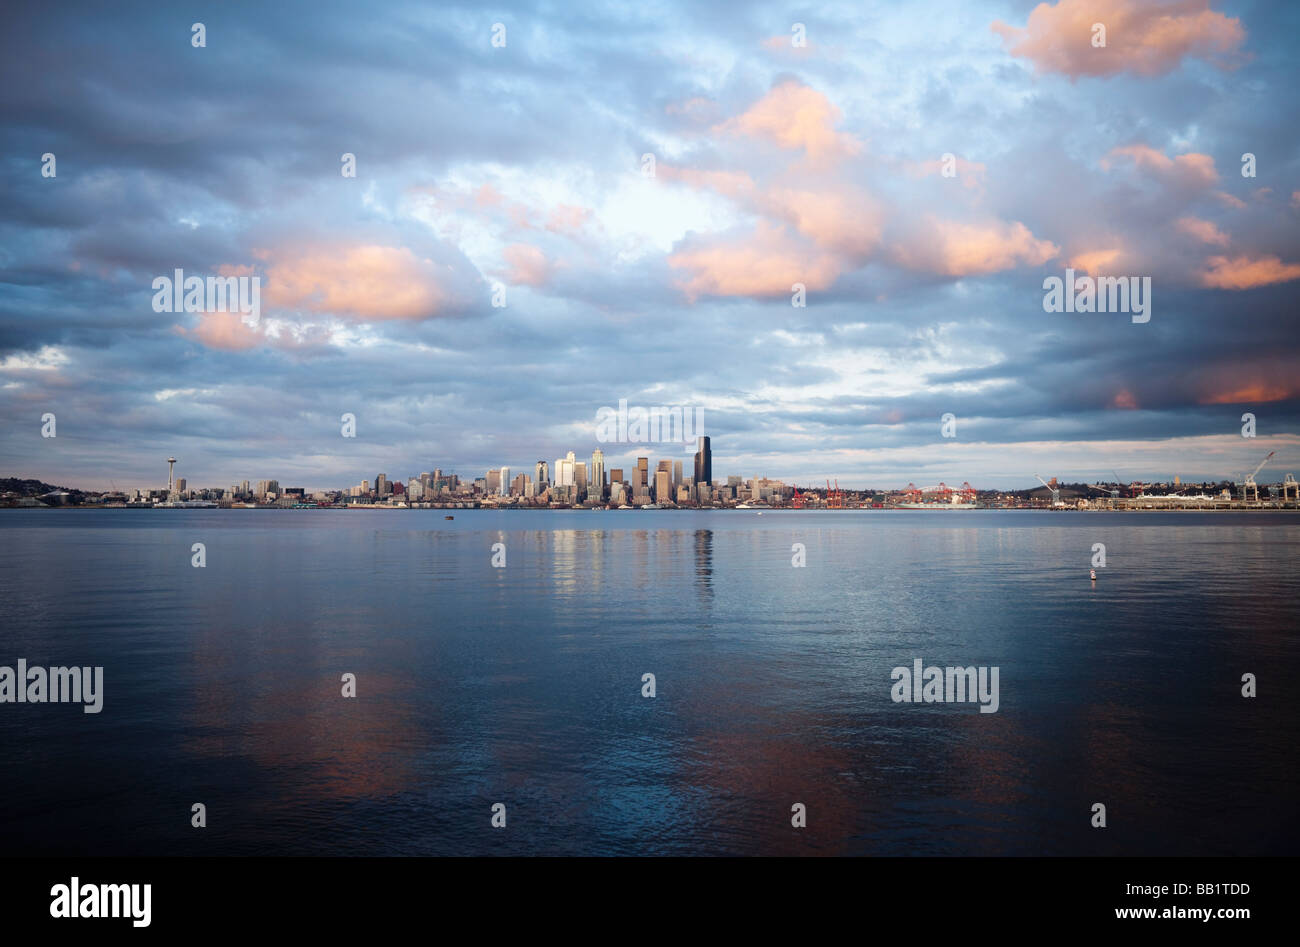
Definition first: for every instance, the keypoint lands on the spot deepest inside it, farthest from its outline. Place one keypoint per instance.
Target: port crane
(1250, 485)
(834, 498)
(1112, 492)
(1055, 491)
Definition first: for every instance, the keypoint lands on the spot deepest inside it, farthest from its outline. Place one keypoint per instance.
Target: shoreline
(1290, 508)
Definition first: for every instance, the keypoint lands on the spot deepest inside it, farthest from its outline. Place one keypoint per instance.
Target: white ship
(957, 503)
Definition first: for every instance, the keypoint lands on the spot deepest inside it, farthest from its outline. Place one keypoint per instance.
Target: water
(522, 685)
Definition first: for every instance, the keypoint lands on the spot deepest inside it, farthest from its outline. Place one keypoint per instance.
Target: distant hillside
(28, 488)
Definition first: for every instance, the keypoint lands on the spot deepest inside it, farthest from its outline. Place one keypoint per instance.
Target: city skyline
(502, 481)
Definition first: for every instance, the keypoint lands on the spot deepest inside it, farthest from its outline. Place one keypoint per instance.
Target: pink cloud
(837, 216)
(487, 196)
(1144, 37)
(1096, 262)
(1243, 272)
(766, 263)
(1191, 168)
(366, 283)
(568, 218)
(528, 265)
(795, 117)
(952, 248)
(845, 220)
(736, 185)
(225, 331)
(1202, 230)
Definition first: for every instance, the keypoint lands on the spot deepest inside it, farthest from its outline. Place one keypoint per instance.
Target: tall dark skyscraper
(704, 462)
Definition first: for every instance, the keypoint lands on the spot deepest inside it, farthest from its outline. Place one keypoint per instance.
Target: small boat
(449, 517)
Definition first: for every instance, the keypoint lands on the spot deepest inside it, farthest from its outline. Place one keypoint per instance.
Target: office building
(596, 486)
(703, 462)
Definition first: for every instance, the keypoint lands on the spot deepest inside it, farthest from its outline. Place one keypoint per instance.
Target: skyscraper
(663, 488)
(505, 481)
(541, 474)
(703, 462)
(564, 471)
(677, 475)
(492, 482)
(596, 486)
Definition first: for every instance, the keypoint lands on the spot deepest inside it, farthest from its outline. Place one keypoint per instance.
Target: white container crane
(1249, 485)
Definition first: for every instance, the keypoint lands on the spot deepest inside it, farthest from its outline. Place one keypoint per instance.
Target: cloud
(1097, 262)
(1190, 169)
(1202, 230)
(568, 218)
(923, 292)
(765, 263)
(528, 265)
(1143, 37)
(223, 330)
(953, 248)
(47, 359)
(795, 117)
(363, 283)
(1244, 272)
(845, 220)
(970, 173)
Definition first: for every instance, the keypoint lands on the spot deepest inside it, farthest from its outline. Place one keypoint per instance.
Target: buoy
(1092, 574)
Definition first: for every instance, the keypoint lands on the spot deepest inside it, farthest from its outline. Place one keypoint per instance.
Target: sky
(920, 169)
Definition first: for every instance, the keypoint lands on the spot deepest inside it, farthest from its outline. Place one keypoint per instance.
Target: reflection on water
(478, 684)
